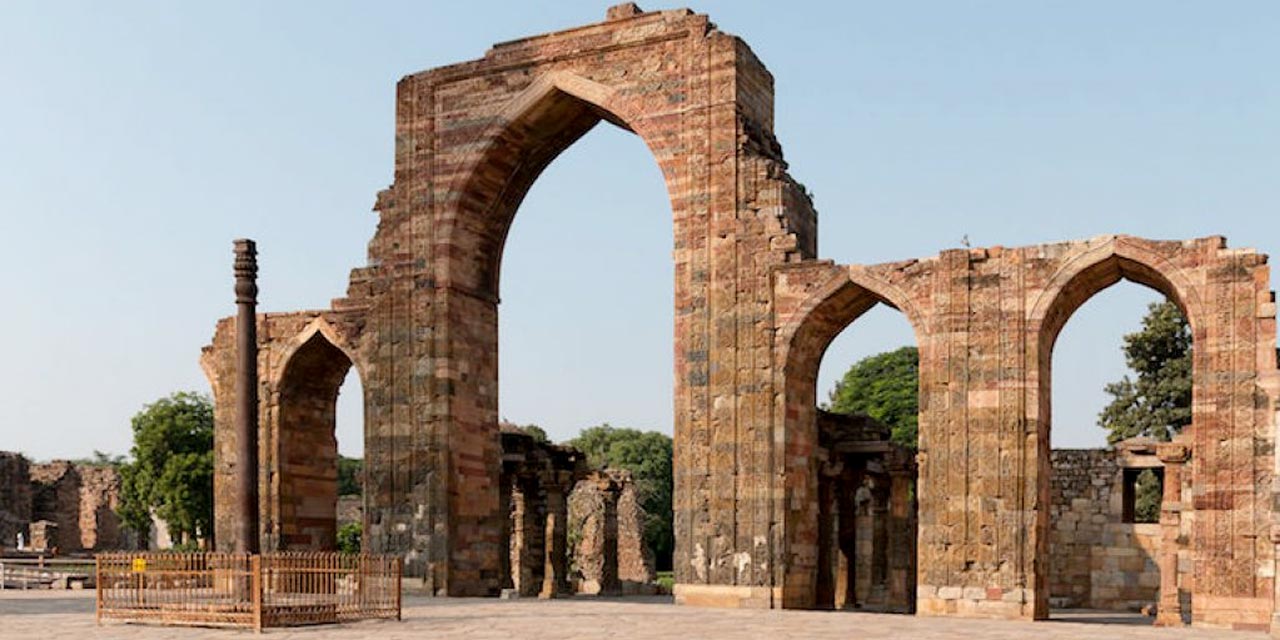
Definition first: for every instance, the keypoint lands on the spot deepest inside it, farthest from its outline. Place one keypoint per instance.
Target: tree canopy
(171, 473)
(886, 387)
(647, 455)
(1157, 403)
(350, 476)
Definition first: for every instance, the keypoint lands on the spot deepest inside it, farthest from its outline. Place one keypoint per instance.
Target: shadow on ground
(1091, 616)
(46, 606)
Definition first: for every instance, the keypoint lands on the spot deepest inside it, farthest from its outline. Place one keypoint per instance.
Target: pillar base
(727, 596)
(976, 602)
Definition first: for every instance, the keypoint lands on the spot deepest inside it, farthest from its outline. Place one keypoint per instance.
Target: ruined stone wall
(350, 510)
(81, 501)
(100, 527)
(753, 312)
(15, 498)
(986, 321)
(420, 320)
(55, 497)
(635, 562)
(635, 558)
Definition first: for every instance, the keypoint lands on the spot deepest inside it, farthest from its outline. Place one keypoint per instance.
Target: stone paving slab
(68, 615)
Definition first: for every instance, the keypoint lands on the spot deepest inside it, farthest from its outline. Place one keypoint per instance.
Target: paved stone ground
(67, 615)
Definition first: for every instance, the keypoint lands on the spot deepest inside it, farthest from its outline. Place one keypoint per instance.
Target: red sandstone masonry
(986, 320)
(753, 312)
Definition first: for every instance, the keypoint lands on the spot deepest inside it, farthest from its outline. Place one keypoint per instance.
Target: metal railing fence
(250, 591)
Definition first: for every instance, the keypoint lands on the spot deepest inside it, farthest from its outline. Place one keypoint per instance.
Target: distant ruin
(754, 311)
(60, 505)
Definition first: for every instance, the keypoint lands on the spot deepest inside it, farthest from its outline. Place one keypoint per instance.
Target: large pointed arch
(1084, 275)
(302, 472)
(803, 338)
(523, 138)
(1081, 277)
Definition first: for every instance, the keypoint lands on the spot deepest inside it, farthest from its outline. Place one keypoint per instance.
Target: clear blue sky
(137, 139)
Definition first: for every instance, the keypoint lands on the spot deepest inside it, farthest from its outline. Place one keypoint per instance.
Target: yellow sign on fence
(139, 565)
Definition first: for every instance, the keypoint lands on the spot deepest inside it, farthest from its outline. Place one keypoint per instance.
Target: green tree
(647, 455)
(349, 536)
(1157, 403)
(537, 433)
(350, 476)
(171, 473)
(1148, 493)
(886, 387)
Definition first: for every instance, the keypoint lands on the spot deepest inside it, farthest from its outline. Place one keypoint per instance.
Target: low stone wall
(350, 510)
(1097, 561)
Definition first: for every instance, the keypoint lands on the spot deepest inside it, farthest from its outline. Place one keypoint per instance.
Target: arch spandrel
(1146, 262)
(282, 351)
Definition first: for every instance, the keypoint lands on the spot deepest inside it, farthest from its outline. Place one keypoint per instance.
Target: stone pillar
(901, 539)
(505, 581)
(610, 582)
(825, 587)
(529, 537)
(879, 541)
(1174, 457)
(246, 419)
(555, 578)
(846, 586)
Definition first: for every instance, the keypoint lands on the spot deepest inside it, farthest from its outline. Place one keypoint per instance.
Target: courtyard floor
(68, 615)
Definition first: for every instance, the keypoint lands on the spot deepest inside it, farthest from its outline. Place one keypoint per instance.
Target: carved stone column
(828, 475)
(1174, 455)
(901, 533)
(847, 536)
(879, 541)
(529, 533)
(555, 579)
(246, 419)
(505, 580)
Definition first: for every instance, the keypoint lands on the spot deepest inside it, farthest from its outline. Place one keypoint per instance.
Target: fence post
(399, 576)
(255, 568)
(97, 586)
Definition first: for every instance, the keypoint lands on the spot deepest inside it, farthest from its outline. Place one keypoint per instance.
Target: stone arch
(302, 470)
(526, 136)
(1081, 277)
(319, 325)
(470, 140)
(1089, 272)
(803, 338)
(528, 131)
